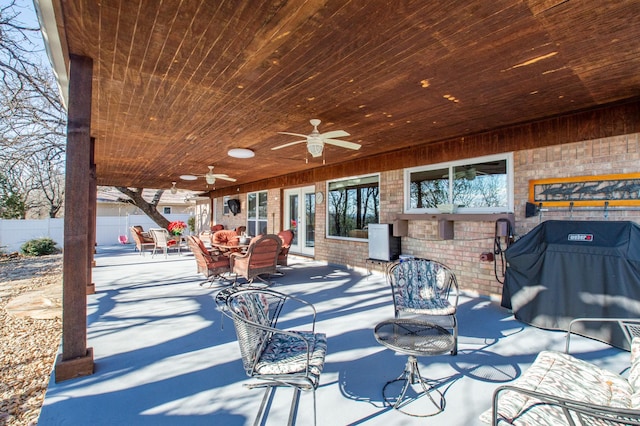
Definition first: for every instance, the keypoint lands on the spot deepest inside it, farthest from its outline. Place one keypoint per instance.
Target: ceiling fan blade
(188, 177)
(343, 144)
(288, 144)
(293, 134)
(225, 177)
(335, 134)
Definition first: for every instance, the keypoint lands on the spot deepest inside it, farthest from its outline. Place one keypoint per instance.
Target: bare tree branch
(149, 208)
(32, 118)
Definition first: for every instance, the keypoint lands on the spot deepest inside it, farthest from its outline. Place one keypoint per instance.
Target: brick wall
(620, 154)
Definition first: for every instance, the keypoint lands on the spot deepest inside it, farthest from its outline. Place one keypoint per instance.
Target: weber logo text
(580, 237)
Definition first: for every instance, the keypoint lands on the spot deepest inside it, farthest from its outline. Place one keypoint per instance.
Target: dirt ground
(31, 321)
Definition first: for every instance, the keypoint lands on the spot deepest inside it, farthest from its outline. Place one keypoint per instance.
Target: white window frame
(451, 165)
(326, 205)
(249, 213)
(225, 205)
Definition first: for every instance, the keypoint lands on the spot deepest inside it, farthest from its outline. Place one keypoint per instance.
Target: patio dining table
(225, 248)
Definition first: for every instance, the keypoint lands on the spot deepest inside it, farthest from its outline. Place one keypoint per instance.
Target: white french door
(300, 216)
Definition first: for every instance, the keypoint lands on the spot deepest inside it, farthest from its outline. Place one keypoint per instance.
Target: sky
(28, 17)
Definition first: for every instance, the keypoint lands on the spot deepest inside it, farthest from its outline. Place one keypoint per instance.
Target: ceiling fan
(469, 173)
(316, 140)
(210, 177)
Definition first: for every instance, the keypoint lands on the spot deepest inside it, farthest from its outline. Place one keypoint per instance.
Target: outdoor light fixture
(174, 190)
(315, 146)
(240, 153)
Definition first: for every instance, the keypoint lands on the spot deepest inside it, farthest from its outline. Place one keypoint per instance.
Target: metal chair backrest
(253, 313)
(417, 280)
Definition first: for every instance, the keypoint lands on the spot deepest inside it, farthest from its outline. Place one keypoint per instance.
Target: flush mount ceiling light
(240, 153)
(174, 190)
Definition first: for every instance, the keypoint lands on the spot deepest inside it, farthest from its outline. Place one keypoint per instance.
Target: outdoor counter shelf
(445, 221)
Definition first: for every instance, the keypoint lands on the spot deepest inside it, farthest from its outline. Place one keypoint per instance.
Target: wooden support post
(93, 195)
(76, 359)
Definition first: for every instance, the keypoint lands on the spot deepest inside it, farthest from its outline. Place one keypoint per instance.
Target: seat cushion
(288, 355)
(563, 375)
(434, 306)
(634, 373)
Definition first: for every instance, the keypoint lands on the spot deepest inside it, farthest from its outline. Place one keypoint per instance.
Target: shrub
(192, 224)
(39, 247)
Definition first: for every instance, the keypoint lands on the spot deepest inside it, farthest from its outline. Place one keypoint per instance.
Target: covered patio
(156, 92)
(164, 354)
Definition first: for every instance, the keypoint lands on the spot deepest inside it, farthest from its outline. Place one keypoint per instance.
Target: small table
(178, 239)
(225, 248)
(413, 337)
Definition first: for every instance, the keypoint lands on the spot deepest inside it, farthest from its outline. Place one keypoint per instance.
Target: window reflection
(352, 204)
(474, 185)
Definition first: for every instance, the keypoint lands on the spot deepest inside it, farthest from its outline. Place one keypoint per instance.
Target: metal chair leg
(268, 392)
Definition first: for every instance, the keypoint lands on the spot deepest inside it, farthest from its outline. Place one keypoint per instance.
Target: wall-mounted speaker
(234, 206)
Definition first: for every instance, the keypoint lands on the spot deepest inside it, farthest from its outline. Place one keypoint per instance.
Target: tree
(32, 117)
(49, 185)
(12, 206)
(149, 208)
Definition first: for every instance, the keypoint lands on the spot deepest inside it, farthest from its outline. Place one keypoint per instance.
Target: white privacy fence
(14, 233)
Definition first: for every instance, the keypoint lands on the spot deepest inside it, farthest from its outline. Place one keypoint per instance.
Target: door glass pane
(292, 220)
(251, 228)
(262, 226)
(257, 213)
(262, 205)
(310, 219)
(251, 206)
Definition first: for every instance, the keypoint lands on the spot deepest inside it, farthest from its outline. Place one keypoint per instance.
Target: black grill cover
(563, 270)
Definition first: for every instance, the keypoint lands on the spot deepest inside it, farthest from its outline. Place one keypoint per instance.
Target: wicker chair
(287, 238)
(426, 288)
(274, 356)
(260, 259)
(142, 239)
(226, 241)
(212, 266)
(163, 241)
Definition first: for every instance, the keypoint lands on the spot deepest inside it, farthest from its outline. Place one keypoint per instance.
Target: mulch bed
(30, 317)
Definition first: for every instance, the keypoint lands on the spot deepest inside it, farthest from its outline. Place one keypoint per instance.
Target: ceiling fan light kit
(209, 177)
(315, 147)
(316, 140)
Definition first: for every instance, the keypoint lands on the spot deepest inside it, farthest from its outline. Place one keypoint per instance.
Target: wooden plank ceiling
(179, 83)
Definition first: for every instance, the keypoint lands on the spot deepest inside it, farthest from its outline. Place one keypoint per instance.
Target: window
(166, 210)
(225, 205)
(480, 185)
(257, 213)
(352, 204)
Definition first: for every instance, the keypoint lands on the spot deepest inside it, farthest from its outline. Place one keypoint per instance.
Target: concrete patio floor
(165, 356)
